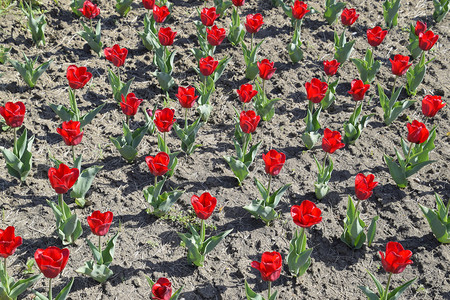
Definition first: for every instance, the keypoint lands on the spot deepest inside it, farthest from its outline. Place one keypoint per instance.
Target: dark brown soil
(148, 246)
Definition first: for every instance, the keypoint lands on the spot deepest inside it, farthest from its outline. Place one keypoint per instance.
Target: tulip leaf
(108, 252)
(332, 10)
(97, 255)
(414, 76)
(166, 200)
(65, 291)
(91, 37)
(191, 241)
(295, 52)
(88, 117)
(251, 295)
(236, 32)
(165, 80)
(266, 213)
(123, 7)
(177, 294)
(239, 169)
(399, 290)
(212, 241)
(370, 295)
(84, 182)
(40, 296)
(262, 190)
(17, 288)
(396, 172)
(440, 9)
(390, 12)
(299, 257)
(62, 112)
(188, 136)
(371, 231)
(98, 272)
(19, 164)
(275, 198)
(310, 139)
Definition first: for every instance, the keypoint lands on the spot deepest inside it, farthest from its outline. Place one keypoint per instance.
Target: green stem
(118, 76)
(311, 107)
(246, 142)
(128, 121)
(185, 119)
(50, 296)
(164, 58)
(4, 265)
(91, 25)
(386, 292)
(393, 87)
(409, 153)
(165, 145)
(100, 244)
(264, 88)
(156, 181)
(15, 141)
(268, 186)
(73, 153)
(60, 203)
(356, 105)
(270, 286)
(251, 43)
(357, 205)
(324, 161)
(204, 84)
(202, 232)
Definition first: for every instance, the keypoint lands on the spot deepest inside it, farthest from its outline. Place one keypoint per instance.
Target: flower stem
(264, 88)
(324, 161)
(204, 84)
(268, 186)
(251, 43)
(50, 296)
(118, 76)
(60, 203)
(202, 232)
(246, 142)
(91, 25)
(128, 121)
(386, 292)
(357, 205)
(156, 181)
(270, 286)
(393, 87)
(165, 145)
(100, 244)
(15, 141)
(185, 118)
(4, 266)
(409, 153)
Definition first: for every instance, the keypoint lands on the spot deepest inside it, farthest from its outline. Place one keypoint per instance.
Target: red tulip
(316, 90)
(400, 64)
(71, 132)
(186, 96)
(89, 10)
(207, 65)
(164, 119)
(420, 27)
(238, 2)
(254, 23)
(100, 222)
(396, 258)
(160, 13)
(116, 55)
(331, 141)
(148, 4)
(52, 260)
(162, 289)
(270, 266)
(417, 132)
(431, 105)
(63, 178)
(8, 242)
(427, 40)
(166, 36)
(299, 9)
(274, 161)
(306, 214)
(331, 67)
(215, 35)
(358, 89)
(348, 16)
(203, 205)
(375, 36)
(130, 105)
(266, 69)
(208, 16)
(364, 186)
(246, 93)
(158, 165)
(249, 121)
(77, 77)
(13, 113)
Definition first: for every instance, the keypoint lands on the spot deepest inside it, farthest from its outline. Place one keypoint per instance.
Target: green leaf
(396, 172)
(212, 241)
(84, 182)
(332, 10)
(97, 255)
(399, 290)
(438, 226)
(65, 291)
(87, 118)
(62, 112)
(377, 283)
(239, 169)
(108, 252)
(370, 295)
(251, 295)
(99, 273)
(275, 198)
(20, 286)
(371, 231)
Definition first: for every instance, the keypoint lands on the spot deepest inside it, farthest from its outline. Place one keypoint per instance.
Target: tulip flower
(238, 3)
(203, 205)
(8, 242)
(215, 35)
(253, 23)
(246, 93)
(160, 13)
(71, 133)
(116, 55)
(349, 16)
(77, 77)
(299, 9)
(431, 105)
(89, 10)
(148, 4)
(130, 105)
(207, 65)
(248, 122)
(427, 40)
(306, 214)
(274, 161)
(316, 90)
(417, 132)
(100, 222)
(364, 186)
(358, 90)
(375, 36)
(162, 289)
(158, 165)
(208, 16)
(420, 27)
(13, 113)
(400, 64)
(330, 67)
(166, 36)
(269, 267)
(331, 141)
(266, 71)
